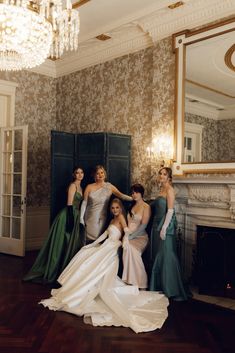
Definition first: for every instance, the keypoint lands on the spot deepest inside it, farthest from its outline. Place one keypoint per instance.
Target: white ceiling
(206, 66)
(133, 25)
(102, 16)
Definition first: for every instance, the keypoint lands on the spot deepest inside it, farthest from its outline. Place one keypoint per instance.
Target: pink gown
(133, 267)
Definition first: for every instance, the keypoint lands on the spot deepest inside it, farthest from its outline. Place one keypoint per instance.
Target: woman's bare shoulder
(90, 186)
(170, 191)
(146, 205)
(72, 186)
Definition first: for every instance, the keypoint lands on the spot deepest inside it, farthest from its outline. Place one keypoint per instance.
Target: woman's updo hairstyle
(168, 171)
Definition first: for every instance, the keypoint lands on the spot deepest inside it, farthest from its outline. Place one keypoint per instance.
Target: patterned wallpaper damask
(226, 139)
(115, 96)
(35, 106)
(130, 95)
(218, 137)
(209, 135)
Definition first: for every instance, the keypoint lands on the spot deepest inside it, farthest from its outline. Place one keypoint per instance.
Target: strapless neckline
(113, 225)
(161, 196)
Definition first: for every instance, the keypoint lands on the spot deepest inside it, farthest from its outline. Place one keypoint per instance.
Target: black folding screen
(87, 150)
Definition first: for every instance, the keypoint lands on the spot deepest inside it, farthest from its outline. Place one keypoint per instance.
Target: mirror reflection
(209, 120)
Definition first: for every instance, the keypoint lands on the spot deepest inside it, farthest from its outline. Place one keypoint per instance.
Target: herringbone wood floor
(26, 327)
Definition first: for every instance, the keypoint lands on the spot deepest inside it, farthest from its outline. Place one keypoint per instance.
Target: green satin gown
(58, 248)
(166, 272)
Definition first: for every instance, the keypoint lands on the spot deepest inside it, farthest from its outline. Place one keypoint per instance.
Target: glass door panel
(7, 183)
(17, 184)
(17, 159)
(6, 227)
(13, 189)
(18, 140)
(7, 166)
(16, 206)
(6, 205)
(16, 228)
(7, 141)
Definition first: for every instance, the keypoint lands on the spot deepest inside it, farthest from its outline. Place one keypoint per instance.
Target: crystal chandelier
(31, 31)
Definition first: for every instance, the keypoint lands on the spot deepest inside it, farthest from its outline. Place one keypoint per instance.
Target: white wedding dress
(91, 287)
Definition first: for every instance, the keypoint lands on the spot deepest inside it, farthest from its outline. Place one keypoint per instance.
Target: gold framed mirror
(205, 99)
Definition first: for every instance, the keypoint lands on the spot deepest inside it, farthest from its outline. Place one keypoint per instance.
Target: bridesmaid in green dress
(166, 272)
(64, 239)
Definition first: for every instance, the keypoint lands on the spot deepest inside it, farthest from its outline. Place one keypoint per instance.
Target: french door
(13, 177)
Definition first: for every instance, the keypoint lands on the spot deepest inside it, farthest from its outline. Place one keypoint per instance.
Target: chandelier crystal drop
(31, 31)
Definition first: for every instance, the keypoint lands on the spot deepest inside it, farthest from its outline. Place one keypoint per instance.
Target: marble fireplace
(202, 200)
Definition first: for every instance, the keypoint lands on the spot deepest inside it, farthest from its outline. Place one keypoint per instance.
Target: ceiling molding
(139, 34)
(193, 14)
(201, 110)
(228, 58)
(48, 68)
(205, 111)
(110, 50)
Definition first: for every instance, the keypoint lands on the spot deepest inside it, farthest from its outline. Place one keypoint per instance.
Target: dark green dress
(58, 248)
(166, 272)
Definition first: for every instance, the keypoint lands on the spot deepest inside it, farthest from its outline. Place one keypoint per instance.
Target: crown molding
(48, 68)
(201, 110)
(209, 112)
(227, 114)
(148, 10)
(193, 14)
(93, 55)
(139, 34)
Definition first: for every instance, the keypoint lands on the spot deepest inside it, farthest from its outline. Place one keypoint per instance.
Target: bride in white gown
(90, 286)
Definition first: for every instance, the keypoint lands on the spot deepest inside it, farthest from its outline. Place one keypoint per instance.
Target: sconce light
(160, 152)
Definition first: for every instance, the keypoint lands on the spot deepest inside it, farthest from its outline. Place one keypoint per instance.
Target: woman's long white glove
(166, 223)
(98, 240)
(82, 212)
(125, 240)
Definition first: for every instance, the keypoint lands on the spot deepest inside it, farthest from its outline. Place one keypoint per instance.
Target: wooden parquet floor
(26, 327)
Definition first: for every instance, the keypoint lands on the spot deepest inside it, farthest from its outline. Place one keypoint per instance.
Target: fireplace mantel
(207, 200)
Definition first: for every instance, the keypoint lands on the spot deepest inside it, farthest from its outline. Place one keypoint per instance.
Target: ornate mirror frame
(180, 42)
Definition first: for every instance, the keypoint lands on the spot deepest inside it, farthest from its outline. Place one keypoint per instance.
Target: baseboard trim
(37, 226)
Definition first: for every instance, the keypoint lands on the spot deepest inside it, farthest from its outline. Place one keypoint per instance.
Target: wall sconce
(160, 152)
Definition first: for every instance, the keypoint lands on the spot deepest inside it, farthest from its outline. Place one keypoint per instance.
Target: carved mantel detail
(206, 192)
(203, 200)
(212, 193)
(232, 201)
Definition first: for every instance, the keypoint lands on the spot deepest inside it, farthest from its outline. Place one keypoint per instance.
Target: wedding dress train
(91, 287)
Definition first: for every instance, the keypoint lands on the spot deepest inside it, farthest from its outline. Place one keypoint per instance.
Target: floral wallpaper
(209, 135)
(226, 140)
(131, 95)
(35, 106)
(115, 96)
(218, 137)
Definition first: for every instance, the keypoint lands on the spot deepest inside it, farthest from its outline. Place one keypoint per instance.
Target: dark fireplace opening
(214, 263)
